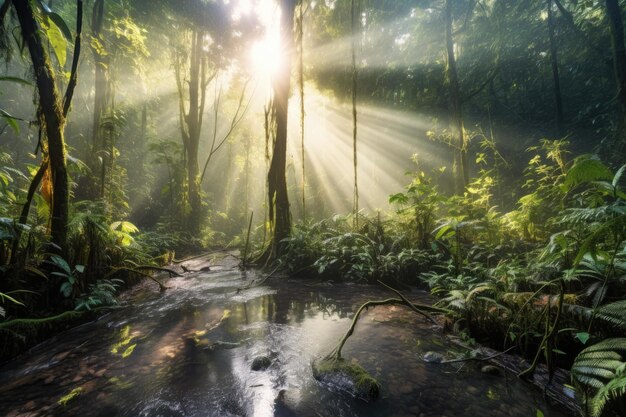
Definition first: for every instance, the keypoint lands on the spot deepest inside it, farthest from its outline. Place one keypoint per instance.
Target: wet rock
(347, 377)
(433, 357)
(283, 405)
(490, 370)
(261, 363)
(472, 390)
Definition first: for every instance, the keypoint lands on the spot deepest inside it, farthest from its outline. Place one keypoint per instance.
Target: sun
(266, 55)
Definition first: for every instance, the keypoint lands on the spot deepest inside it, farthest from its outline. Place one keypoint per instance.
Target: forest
(313, 208)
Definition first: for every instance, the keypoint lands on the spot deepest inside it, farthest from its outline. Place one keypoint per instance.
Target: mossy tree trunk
(50, 104)
(278, 200)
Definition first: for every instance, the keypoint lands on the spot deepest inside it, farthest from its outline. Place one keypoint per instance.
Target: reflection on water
(188, 352)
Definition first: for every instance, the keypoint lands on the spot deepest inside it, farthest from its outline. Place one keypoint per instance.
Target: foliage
(600, 370)
(100, 294)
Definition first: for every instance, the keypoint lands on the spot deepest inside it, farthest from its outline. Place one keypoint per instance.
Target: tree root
(418, 308)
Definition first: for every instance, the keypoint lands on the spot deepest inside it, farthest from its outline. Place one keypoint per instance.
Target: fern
(615, 389)
(600, 367)
(613, 313)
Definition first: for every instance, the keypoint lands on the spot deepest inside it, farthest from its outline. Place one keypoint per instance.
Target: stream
(188, 352)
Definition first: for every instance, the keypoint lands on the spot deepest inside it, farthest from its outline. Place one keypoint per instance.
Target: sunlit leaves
(57, 40)
(73, 394)
(587, 168)
(123, 231)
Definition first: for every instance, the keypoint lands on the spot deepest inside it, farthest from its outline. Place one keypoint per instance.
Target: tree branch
(69, 92)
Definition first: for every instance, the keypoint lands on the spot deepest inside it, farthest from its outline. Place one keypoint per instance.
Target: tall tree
(616, 25)
(354, 19)
(278, 200)
(51, 110)
(554, 63)
(192, 92)
(102, 94)
(457, 130)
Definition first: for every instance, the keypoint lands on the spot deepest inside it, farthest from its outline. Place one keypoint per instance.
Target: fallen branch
(418, 308)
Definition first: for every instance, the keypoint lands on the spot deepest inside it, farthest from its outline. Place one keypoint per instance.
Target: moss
(347, 376)
(20, 334)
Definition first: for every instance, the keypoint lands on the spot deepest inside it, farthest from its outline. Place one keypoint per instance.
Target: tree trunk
(355, 207)
(97, 160)
(616, 25)
(558, 100)
(458, 142)
(51, 109)
(278, 201)
(197, 92)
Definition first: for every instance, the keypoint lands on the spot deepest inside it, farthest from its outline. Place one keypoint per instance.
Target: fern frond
(614, 389)
(601, 367)
(613, 313)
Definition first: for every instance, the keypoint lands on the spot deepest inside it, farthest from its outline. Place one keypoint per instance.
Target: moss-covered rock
(348, 377)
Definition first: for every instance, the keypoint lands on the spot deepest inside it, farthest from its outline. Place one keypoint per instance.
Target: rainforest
(313, 208)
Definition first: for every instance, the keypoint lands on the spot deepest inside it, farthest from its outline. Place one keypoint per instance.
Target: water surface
(188, 352)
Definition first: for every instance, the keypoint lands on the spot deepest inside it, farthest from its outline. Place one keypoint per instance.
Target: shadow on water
(189, 352)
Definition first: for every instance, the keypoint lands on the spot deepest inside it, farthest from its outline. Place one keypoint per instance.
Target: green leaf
(12, 121)
(8, 297)
(60, 23)
(539, 413)
(618, 176)
(80, 268)
(16, 80)
(587, 168)
(61, 263)
(583, 337)
(57, 41)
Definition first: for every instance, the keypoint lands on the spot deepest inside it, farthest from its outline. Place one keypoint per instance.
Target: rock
(472, 390)
(283, 405)
(261, 363)
(348, 377)
(490, 370)
(433, 357)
